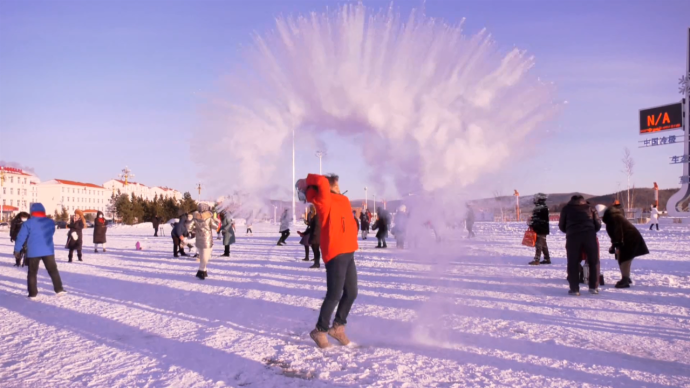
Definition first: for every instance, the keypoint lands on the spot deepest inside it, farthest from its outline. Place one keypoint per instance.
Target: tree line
(130, 209)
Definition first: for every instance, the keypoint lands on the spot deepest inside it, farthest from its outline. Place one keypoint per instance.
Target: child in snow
(364, 221)
(15, 227)
(540, 225)
(381, 228)
(654, 213)
(37, 235)
(179, 234)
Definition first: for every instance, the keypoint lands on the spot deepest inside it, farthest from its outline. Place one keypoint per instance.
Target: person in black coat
(364, 221)
(313, 233)
(75, 241)
(540, 225)
(157, 221)
(580, 223)
(626, 242)
(15, 227)
(381, 228)
(99, 231)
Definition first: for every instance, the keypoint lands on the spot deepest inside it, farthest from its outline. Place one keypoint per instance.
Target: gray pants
(541, 247)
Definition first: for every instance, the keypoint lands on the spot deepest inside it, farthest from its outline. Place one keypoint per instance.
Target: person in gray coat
(284, 227)
(227, 228)
(203, 226)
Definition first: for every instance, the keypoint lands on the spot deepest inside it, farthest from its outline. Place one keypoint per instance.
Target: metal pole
(366, 200)
(294, 220)
(320, 169)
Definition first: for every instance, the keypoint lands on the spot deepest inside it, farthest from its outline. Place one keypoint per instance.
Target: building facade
(58, 193)
(141, 190)
(19, 190)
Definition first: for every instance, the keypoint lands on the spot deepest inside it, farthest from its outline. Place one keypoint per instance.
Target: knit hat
(37, 208)
(204, 208)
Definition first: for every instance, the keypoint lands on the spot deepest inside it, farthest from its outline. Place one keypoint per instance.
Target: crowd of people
(581, 222)
(332, 230)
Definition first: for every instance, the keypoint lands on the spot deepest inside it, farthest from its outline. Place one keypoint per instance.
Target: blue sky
(87, 87)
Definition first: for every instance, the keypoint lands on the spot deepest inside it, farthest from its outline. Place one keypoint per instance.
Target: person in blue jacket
(37, 233)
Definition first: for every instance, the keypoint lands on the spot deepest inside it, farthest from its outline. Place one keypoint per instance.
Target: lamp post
(366, 203)
(517, 205)
(375, 205)
(275, 209)
(320, 154)
(198, 187)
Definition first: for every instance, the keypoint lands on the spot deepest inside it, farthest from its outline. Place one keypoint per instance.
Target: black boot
(623, 283)
(182, 252)
(200, 275)
(547, 260)
(205, 274)
(79, 257)
(227, 251)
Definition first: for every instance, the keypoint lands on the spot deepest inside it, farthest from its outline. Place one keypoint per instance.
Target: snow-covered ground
(479, 316)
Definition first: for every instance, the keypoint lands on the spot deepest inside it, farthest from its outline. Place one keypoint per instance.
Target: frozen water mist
(438, 108)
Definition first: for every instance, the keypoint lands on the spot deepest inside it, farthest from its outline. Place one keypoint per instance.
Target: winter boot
(534, 262)
(320, 338)
(306, 259)
(227, 251)
(200, 275)
(601, 280)
(205, 274)
(594, 291)
(69, 258)
(182, 252)
(338, 333)
(623, 283)
(315, 265)
(95, 250)
(103, 250)
(546, 261)
(574, 293)
(79, 257)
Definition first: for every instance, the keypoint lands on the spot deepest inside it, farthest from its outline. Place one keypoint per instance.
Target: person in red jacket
(338, 246)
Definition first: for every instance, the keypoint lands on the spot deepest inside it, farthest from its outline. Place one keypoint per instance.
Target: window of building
(11, 202)
(24, 191)
(11, 191)
(11, 179)
(24, 180)
(4, 190)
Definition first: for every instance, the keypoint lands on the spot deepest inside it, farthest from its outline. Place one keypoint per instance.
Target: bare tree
(628, 165)
(499, 198)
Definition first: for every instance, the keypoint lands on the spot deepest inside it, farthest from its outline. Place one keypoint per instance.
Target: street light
(126, 174)
(366, 199)
(374, 204)
(198, 187)
(320, 154)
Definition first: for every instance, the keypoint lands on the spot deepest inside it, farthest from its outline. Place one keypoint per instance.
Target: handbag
(530, 239)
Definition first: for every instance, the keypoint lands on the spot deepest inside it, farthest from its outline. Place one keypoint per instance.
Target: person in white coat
(654, 213)
(284, 227)
(203, 226)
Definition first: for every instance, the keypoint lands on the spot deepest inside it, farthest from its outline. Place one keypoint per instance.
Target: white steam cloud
(439, 108)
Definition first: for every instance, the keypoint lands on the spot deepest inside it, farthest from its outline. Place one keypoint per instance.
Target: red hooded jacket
(338, 227)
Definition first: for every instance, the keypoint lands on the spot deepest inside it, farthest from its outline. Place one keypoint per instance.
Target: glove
(17, 255)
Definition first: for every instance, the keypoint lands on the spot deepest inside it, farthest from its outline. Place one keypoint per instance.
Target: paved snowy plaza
(478, 317)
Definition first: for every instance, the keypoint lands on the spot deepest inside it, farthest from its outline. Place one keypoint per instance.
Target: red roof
(90, 211)
(73, 183)
(8, 209)
(13, 170)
